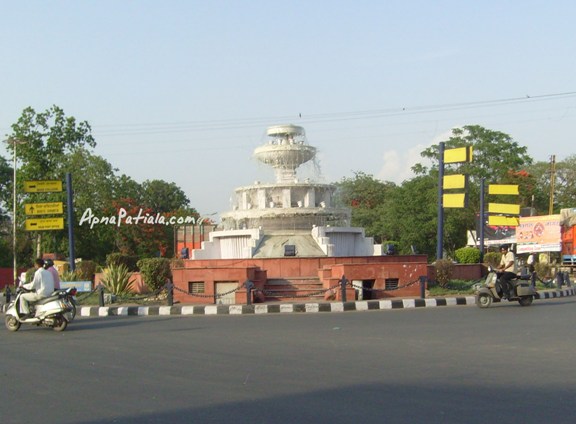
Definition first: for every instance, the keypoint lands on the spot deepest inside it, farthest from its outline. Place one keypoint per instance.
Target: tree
(367, 197)
(564, 185)
(42, 142)
(494, 154)
(496, 157)
(163, 197)
(411, 215)
(135, 235)
(6, 175)
(93, 182)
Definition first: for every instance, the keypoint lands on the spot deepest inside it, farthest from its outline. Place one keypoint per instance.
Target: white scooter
(48, 312)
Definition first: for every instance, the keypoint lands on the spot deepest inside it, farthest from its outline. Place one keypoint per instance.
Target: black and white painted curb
(286, 308)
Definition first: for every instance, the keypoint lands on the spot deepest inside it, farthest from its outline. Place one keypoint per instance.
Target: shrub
(85, 270)
(69, 276)
(130, 262)
(117, 280)
(492, 259)
(467, 255)
(444, 269)
(155, 272)
(543, 270)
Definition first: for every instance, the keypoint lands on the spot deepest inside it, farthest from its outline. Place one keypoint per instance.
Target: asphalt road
(506, 364)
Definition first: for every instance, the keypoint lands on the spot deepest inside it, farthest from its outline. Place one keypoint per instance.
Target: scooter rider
(49, 265)
(41, 286)
(507, 268)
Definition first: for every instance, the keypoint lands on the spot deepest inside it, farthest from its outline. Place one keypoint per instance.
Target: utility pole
(14, 142)
(552, 183)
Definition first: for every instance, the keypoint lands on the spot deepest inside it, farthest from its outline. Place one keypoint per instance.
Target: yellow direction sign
(48, 186)
(503, 221)
(44, 208)
(460, 154)
(41, 224)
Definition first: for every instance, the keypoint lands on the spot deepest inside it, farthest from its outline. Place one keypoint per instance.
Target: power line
(234, 124)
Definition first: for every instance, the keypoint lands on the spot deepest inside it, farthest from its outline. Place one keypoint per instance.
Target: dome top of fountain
(285, 130)
(285, 150)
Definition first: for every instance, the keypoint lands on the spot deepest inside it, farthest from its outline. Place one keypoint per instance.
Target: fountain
(288, 217)
(287, 204)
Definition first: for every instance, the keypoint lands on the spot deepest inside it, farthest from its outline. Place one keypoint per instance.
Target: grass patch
(93, 299)
(455, 287)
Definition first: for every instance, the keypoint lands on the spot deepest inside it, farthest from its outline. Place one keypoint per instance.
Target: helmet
(48, 263)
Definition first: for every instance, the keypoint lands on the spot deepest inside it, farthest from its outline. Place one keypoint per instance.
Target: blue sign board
(81, 286)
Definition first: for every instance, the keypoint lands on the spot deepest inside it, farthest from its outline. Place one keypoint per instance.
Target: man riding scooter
(41, 286)
(508, 270)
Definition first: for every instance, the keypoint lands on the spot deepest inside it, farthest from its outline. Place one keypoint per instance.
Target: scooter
(48, 312)
(490, 291)
(68, 294)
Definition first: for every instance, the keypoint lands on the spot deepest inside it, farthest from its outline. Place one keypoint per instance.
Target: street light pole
(14, 263)
(14, 143)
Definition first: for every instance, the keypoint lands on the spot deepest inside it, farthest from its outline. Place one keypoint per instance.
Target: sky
(183, 91)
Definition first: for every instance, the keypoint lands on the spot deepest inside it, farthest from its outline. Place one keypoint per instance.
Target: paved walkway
(306, 307)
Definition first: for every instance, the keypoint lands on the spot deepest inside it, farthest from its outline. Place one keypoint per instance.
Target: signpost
(51, 208)
(48, 208)
(42, 224)
(47, 186)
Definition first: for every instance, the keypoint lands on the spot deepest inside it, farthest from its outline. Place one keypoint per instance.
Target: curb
(286, 308)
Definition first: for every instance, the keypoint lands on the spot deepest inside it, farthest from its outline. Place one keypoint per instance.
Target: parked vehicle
(521, 290)
(49, 312)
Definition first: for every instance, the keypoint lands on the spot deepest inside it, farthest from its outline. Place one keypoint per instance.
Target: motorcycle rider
(49, 265)
(507, 268)
(41, 286)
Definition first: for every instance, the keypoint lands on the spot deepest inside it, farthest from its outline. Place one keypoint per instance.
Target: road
(459, 364)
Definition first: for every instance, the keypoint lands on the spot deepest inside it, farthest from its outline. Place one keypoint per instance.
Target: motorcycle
(491, 291)
(52, 311)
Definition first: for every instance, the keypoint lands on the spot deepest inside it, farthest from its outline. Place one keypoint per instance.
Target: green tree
(93, 181)
(367, 197)
(494, 154)
(42, 140)
(564, 185)
(163, 197)
(411, 215)
(496, 157)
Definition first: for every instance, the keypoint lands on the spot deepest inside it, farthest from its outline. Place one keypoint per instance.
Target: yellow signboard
(456, 200)
(505, 208)
(460, 154)
(44, 208)
(41, 224)
(503, 189)
(48, 186)
(454, 181)
(503, 221)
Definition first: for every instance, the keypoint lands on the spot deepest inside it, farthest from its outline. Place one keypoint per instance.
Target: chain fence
(169, 288)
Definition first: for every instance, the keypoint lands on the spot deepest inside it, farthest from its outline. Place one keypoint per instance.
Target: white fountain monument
(288, 217)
